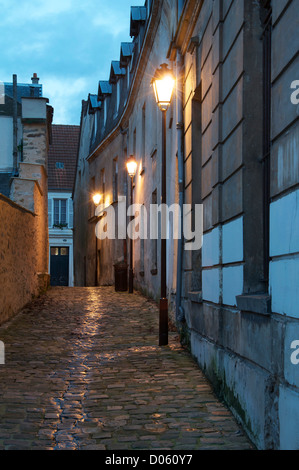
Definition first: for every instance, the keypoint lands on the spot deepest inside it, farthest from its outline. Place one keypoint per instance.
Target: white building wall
(62, 237)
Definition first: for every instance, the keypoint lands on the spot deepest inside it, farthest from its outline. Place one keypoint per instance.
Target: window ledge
(195, 296)
(256, 303)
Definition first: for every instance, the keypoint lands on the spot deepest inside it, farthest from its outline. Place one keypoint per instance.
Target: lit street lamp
(163, 83)
(97, 199)
(131, 168)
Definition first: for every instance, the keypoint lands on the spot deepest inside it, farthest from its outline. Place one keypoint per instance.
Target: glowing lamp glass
(97, 199)
(163, 85)
(132, 167)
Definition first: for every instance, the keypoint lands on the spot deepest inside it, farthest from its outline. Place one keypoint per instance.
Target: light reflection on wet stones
(84, 371)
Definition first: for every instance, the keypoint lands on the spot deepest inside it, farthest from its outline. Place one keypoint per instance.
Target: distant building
(25, 136)
(11, 148)
(61, 173)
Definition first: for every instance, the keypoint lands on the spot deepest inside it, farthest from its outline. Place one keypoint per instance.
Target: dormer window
(138, 17)
(105, 90)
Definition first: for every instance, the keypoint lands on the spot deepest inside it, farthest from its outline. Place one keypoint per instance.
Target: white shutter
(50, 211)
(71, 213)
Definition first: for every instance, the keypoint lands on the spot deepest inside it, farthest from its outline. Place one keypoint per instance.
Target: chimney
(35, 79)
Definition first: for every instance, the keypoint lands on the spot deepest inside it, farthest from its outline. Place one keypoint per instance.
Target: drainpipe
(180, 314)
(15, 127)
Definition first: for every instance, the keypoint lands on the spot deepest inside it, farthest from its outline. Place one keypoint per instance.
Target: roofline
(154, 20)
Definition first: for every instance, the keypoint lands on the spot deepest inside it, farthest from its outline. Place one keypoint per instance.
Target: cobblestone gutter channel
(83, 370)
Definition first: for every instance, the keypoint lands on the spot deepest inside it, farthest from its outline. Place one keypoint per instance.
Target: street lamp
(97, 199)
(163, 84)
(131, 168)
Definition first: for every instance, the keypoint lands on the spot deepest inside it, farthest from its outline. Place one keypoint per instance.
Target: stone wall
(284, 214)
(242, 326)
(18, 268)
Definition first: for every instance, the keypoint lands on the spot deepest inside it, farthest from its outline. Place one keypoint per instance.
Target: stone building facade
(232, 147)
(24, 214)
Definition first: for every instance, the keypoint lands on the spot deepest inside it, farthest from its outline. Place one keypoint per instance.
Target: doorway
(59, 265)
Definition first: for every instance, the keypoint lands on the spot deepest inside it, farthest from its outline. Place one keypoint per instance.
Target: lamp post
(163, 84)
(131, 168)
(97, 200)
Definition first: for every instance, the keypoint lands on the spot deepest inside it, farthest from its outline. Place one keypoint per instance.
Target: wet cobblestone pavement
(84, 371)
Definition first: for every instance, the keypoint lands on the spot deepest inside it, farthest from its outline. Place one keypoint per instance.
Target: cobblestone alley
(83, 370)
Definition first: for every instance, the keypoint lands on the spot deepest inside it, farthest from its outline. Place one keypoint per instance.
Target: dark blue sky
(68, 43)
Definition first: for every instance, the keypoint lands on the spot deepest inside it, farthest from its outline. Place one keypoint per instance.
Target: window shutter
(50, 221)
(71, 213)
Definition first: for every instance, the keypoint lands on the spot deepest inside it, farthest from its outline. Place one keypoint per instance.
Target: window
(134, 143)
(115, 179)
(59, 251)
(60, 212)
(117, 95)
(91, 206)
(102, 183)
(128, 78)
(95, 127)
(105, 111)
(143, 136)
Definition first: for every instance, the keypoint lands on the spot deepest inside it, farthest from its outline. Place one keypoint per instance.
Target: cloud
(111, 22)
(69, 43)
(27, 10)
(64, 95)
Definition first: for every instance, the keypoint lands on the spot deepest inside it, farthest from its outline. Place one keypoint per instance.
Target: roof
(24, 90)
(29, 90)
(116, 71)
(126, 50)
(138, 15)
(104, 89)
(63, 157)
(94, 103)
